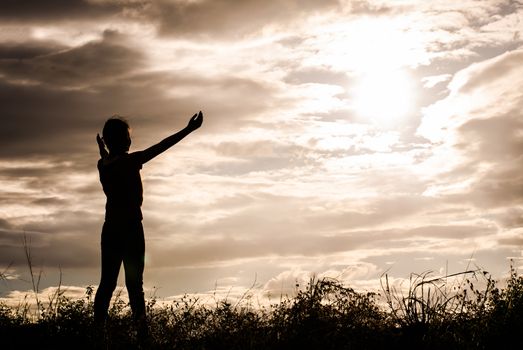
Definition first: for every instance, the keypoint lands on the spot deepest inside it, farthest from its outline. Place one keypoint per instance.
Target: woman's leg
(111, 261)
(133, 260)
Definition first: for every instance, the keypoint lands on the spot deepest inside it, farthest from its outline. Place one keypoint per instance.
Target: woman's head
(117, 135)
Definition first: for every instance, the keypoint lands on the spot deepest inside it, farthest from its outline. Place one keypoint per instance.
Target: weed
(431, 313)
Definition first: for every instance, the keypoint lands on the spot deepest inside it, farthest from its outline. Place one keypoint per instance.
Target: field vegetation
(431, 313)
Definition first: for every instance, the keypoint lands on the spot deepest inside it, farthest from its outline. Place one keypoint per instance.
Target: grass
(431, 313)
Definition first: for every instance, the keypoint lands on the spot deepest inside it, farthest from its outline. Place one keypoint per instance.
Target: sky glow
(341, 138)
(384, 97)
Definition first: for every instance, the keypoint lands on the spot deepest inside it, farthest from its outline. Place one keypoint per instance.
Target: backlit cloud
(341, 139)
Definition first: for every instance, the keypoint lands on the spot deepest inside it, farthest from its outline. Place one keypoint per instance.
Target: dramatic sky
(341, 138)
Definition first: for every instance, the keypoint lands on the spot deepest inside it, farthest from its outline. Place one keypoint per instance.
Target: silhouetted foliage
(325, 314)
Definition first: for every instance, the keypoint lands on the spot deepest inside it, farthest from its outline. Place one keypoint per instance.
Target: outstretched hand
(195, 122)
(101, 146)
(149, 153)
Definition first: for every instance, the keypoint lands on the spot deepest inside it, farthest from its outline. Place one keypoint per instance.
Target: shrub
(433, 314)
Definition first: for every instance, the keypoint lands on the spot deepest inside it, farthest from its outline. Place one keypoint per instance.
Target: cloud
(229, 18)
(511, 218)
(287, 283)
(91, 63)
(316, 75)
(28, 50)
(236, 158)
(479, 122)
(57, 10)
(22, 298)
(290, 234)
(60, 239)
(490, 75)
(432, 81)
(376, 8)
(484, 90)
(38, 120)
(515, 241)
(281, 179)
(46, 102)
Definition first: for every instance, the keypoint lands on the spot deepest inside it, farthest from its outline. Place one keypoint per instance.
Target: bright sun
(383, 97)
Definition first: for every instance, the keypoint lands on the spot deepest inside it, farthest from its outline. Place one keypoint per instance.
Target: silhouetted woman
(122, 232)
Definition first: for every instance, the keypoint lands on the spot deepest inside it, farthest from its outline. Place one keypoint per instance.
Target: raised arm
(101, 147)
(146, 155)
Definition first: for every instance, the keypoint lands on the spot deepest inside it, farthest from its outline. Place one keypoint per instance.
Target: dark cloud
(64, 238)
(73, 249)
(4, 224)
(48, 201)
(499, 142)
(499, 187)
(230, 102)
(515, 241)
(54, 126)
(43, 120)
(497, 139)
(31, 171)
(511, 218)
(54, 99)
(81, 66)
(55, 10)
(303, 243)
(49, 185)
(28, 50)
(223, 18)
(488, 135)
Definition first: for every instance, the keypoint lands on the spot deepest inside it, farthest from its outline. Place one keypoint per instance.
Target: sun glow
(383, 97)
